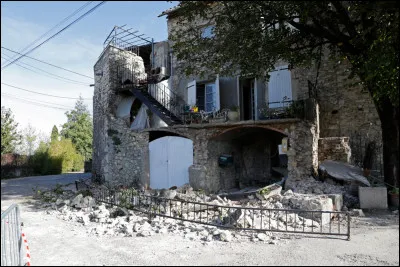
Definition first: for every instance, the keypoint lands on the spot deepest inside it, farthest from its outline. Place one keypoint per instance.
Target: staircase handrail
(169, 99)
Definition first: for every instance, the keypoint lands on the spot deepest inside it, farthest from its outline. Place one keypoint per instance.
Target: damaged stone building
(157, 127)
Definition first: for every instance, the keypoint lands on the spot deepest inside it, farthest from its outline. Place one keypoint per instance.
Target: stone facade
(119, 154)
(251, 150)
(336, 111)
(334, 148)
(346, 109)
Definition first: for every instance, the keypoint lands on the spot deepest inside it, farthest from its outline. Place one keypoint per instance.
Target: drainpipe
(152, 53)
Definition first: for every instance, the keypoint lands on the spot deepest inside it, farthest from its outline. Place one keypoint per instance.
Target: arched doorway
(256, 157)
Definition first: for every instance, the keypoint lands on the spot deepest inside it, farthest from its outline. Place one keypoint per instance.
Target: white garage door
(170, 158)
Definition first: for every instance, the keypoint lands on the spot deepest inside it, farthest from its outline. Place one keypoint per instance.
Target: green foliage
(251, 36)
(265, 191)
(56, 157)
(79, 128)
(126, 197)
(40, 160)
(64, 155)
(10, 137)
(296, 109)
(54, 134)
(394, 190)
(29, 138)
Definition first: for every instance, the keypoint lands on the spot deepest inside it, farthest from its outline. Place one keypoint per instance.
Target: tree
(54, 134)
(29, 138)
(79, 128)
(64, 157)
(251, 36)
(41, 160)
(10, 137)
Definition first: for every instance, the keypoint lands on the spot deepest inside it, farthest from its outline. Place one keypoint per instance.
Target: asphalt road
(23, 187)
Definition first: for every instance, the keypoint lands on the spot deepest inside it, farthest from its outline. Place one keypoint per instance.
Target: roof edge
(169, 11)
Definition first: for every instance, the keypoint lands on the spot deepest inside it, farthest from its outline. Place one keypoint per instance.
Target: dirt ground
(52, 241)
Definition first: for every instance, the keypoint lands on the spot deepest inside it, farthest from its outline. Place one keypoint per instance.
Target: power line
(54, 35)
(48, 73)
(35, 100)
(48, 63)
(46, 33)
(44, 94)
(36, 104)
(70, 80)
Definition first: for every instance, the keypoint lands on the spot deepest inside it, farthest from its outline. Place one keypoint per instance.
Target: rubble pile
(104, 219)
(310, 185)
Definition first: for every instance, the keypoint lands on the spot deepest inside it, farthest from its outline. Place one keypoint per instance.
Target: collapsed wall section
(120, 155)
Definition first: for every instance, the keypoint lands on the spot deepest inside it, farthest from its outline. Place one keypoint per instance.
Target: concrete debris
(102, 219)
(270, 191)
(225, 236)
(262, 237)
(310, 185)
(357, 213)
(343, 171)
(76, 200)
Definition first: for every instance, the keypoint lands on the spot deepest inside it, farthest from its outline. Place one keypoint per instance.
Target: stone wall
(346, 109)
(119, 154)
(205, 172)
(334, 148)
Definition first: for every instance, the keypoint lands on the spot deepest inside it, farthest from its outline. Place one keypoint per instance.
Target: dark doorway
(200, 96)
(248, 99)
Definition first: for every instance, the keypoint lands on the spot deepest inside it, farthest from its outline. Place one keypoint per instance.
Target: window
(280, 88)
(207, 32)
(210, 97)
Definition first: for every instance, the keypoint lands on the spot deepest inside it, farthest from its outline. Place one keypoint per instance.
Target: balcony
(286, 109)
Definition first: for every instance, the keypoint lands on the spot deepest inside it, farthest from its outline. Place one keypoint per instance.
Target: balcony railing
(282, 110)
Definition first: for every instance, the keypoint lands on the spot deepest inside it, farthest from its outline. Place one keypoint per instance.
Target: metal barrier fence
(333, 223)
(11, 238)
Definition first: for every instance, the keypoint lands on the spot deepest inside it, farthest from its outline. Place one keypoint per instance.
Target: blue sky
(77, 48)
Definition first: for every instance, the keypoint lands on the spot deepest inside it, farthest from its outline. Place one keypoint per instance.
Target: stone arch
(128, 108)
(158, 133)
(254, 153)
(265, 127)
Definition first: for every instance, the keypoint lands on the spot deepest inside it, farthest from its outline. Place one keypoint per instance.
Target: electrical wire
(54, 35)
(46, 33)
(43, 94)
(48, 73)
(38, 101)
(35, 103)
(49, 63)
